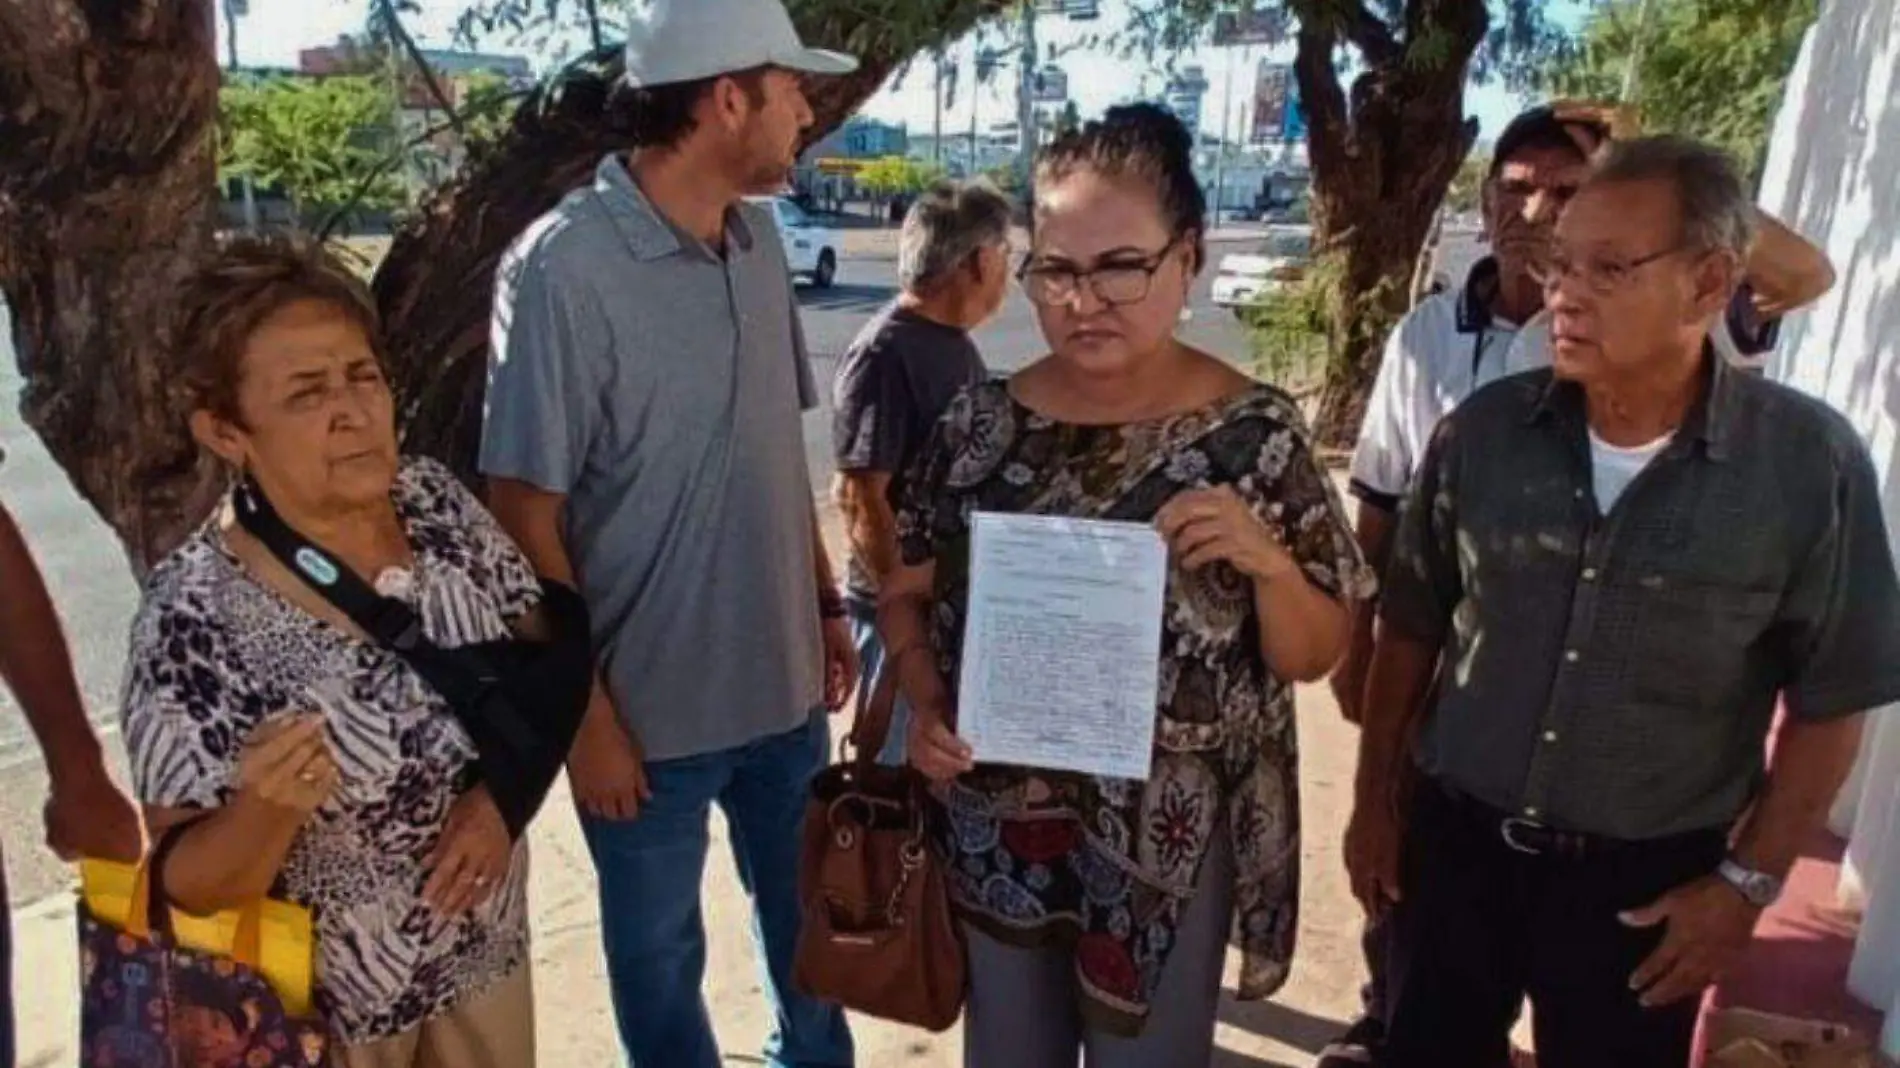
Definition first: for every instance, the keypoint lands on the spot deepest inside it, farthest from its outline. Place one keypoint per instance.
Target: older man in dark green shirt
(1613, 570)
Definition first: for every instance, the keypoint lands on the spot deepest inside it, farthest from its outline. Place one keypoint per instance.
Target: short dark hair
(245, 281)
(1536, 130)
(1716, 212)
(1145, 142)
(662, 116)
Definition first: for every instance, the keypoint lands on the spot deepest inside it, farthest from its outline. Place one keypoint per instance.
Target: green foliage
(1711, 69)
(1288, 335)
(320, 140)
(1005, 177)
(487, 108)
(897, 176)
(1069, 119)
(1289, 329)
(1467, 186)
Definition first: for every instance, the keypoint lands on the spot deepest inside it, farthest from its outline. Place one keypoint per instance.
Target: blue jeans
(863, 616)
(650, 871)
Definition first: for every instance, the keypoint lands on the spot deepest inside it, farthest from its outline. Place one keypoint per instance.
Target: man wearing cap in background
(1444, 350)
(644, 436)
(1454, 343)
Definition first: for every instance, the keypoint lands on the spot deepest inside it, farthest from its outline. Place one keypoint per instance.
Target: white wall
(1834, 175)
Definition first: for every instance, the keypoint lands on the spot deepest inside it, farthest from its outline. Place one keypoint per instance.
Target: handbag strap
(871, 719)
(463, 676)
(151, 905)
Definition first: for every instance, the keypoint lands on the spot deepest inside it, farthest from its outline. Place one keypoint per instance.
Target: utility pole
(936, 138)
(234, 10)
(1636, 52)
(1220, 149)
(1026, 95)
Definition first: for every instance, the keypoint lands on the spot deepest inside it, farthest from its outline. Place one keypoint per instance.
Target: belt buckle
(1509, 829)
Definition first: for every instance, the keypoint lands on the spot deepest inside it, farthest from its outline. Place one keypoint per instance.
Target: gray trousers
(1024, 1009)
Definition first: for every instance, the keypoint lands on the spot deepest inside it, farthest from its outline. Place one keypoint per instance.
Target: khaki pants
(495, 1029)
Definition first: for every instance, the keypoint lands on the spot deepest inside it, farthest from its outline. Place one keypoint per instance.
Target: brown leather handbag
(878, 936)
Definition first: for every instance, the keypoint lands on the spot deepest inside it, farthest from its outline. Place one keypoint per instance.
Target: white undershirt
(1614, 467)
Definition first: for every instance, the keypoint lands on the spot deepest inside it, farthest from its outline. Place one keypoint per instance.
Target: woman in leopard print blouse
(317, 766)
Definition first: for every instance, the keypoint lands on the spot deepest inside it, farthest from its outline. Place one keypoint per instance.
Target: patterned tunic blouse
(214, 653)
(1110, 864)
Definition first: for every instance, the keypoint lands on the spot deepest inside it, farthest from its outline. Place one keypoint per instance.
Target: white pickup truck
(810, 249)
(1244, 279)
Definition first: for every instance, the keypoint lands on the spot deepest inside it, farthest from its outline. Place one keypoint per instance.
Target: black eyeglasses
(1116, 283)
(1600, 274)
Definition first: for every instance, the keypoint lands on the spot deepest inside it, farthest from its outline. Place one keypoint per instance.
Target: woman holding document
(1097, 905)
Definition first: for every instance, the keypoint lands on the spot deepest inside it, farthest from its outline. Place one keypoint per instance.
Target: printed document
(1062, 643)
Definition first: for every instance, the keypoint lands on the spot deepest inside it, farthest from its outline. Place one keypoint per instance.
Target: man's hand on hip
(607, 767)
(1708, 927)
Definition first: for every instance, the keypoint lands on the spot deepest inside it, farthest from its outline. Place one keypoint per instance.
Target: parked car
(1243, 279)
(810, 249)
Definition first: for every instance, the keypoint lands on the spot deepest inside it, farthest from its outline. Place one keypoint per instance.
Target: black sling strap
(519, 759)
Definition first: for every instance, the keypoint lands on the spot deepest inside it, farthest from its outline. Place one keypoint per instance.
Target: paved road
(96, 595)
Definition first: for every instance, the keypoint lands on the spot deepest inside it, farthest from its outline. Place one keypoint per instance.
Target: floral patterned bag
(148, 1001)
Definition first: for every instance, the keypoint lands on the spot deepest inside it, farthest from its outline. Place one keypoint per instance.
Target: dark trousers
(1482, 925)
(1372, 995)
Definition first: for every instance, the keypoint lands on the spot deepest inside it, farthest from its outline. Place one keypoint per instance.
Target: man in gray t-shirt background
(897, 378)
(644, 438)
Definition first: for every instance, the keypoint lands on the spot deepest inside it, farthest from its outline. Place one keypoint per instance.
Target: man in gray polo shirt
(644, 436)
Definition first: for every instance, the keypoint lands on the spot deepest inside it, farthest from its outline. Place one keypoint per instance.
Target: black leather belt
(1523, 834)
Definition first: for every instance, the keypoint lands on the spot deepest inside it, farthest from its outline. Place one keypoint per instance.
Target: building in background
(420, 121)
(1830, 176)
(826, 171)
(1185, 94)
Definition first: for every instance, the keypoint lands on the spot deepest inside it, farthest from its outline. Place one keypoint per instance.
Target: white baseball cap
(673, 41)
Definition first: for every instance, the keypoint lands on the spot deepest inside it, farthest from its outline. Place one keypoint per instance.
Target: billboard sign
(1272, 85)
(1277, 115)
(1293, 130)
(1052, 85)
(1254, 26)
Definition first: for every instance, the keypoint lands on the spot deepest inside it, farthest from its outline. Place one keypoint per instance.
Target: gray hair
(947, 225)
(1717, 213)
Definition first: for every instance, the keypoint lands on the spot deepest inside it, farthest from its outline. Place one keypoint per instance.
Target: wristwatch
(1758, 888)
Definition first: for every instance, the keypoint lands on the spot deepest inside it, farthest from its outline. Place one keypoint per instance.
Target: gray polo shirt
(660, 387)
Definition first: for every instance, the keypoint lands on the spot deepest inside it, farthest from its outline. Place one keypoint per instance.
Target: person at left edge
(644, 435)
(302, 757)
(86, 814)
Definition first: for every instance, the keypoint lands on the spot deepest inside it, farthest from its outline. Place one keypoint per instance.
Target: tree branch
(1369, 33)
(383, 167)
(1327, 118)
(401, 33)
(593, 23)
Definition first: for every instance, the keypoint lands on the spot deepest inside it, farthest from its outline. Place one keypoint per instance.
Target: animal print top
(214, 653)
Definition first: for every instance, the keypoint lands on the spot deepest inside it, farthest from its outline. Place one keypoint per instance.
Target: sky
(275, 30)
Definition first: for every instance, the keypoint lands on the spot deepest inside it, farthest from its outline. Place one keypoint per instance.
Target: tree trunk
(436, 285)
(106, 200)
(1380, 167)
(106, 185)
